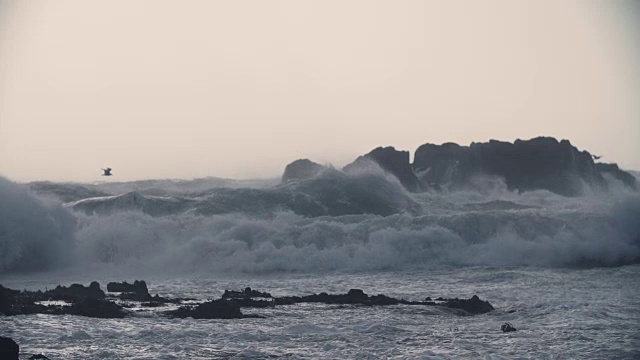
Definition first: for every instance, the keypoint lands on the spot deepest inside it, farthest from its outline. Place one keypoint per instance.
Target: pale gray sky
(239, 89)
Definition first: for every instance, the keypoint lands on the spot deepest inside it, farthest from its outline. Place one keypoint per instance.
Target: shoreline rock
(85, 301)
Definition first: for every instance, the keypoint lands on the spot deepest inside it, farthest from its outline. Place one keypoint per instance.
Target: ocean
(564, 271)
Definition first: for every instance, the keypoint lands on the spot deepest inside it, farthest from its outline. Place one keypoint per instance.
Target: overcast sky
(183, 89)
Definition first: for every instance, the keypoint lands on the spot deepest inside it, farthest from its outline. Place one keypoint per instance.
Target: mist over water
(324, 229)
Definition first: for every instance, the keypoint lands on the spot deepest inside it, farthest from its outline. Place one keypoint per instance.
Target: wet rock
(540, 163)
(138, 286)
(76, 292)
(507, 327)
(38, 357)
(472, 306)
(623, 176)
(135, 296)
(97, 308)
(9, 349)
(392, 161)
(247, 293)
(354, 296)
(215, 309)
(301, 169)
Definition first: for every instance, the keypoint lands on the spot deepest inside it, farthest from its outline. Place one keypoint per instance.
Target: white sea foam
(484, 225)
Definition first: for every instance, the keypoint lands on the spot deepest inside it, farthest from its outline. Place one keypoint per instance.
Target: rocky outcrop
(84, 301)
(15, 302)
(96, 308)
(392, 161)
(215, 309)
(358, 297)
(247, 293)
(301, 169)
(76, 292)
(138, 286)
(614, 171)
(540, 163)
(472, 306)
(9, 349)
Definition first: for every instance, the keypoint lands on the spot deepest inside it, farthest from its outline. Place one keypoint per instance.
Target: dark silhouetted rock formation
(215, 309)
(392, 161)
(138, 286)
(76, 292)
(97, 308)
(472, 306)
(247, 293)
(301, 169)
(85, 301)
(613, 170)
(540, 163)
(38, 357)
(9, 349)
(358, 297)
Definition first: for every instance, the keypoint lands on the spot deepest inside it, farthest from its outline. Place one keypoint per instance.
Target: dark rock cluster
(9, 349)
(215, 309)
(91, 301)
(84, 301)
(542, 163)
(301, 169)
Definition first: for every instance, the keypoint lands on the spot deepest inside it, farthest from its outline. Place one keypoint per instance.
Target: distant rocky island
(381, 182)
(542, 163)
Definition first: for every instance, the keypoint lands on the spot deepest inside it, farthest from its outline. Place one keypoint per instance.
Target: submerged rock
(38, 357)
(9, 349)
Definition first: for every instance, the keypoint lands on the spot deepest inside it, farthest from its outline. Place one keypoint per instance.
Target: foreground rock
(84, 301)
(215, 309)
(9, 349)
(95, 308)
(358, 297)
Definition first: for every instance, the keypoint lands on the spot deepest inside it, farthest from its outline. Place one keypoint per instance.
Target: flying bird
(107, 172)
(596, 157)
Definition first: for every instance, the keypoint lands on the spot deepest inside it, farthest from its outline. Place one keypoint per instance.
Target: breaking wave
(354, 223)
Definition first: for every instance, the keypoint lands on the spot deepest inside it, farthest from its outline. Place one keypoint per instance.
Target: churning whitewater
(267, 229)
